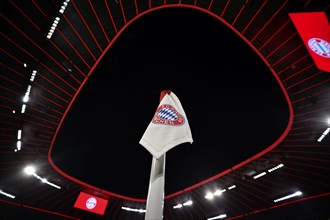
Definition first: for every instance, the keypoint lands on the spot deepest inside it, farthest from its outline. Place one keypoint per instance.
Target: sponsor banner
(91, 203)
(314, 29)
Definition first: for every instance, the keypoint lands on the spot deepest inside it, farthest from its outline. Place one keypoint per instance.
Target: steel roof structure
(66, 59)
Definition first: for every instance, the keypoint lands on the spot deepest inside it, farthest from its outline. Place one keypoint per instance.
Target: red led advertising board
(91, 203)
(314, 29)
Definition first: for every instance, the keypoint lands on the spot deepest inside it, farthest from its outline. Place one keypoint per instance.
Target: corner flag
(169, 126)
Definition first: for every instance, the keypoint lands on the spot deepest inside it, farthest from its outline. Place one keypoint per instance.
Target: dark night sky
(234, 105)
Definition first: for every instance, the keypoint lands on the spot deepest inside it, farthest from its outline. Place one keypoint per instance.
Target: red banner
(91, 203)
(314, 29)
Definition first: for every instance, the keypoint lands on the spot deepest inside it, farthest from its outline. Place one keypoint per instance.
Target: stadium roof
(254, 98)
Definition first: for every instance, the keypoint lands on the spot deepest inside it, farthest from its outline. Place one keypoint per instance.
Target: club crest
(91, 203)
(168, 115)
(320, 47)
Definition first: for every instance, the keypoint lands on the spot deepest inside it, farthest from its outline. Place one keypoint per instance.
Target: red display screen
(91, 203)
(314, 29)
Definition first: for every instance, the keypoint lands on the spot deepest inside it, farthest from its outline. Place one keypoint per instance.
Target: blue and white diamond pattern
(167, 114)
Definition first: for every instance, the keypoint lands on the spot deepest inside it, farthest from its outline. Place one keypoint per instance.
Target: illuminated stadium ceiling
(253, 96)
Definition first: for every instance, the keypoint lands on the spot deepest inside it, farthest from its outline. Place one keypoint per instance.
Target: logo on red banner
(313, 28)
(168, 115)
(91, 203)
(320, 47)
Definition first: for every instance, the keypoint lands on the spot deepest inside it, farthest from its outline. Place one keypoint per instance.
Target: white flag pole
(168, 128)
(155, 199)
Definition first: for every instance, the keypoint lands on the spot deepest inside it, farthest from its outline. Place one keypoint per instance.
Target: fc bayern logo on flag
(168, 115)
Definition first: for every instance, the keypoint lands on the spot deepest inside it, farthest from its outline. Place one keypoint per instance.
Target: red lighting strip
(302, 178)
(113, 205)
(22, 49)
(53, 93)
(39, 8)
(45, 120)
(14, 71)
(268, 22)
(80, 38)
(297, 164)
(253, 189)
(9, 90)
(314, 94)
(58, 112)
(225, 8)
(87, 26)
(37, 139)
(259, 184)
(286, 55)
(238, 201)
(69, 202)
(312, 159)
(294, 63)
(122, 11)
(210, 5)
(34, 43)
(307, 78)
(25, 15)
(279, 47)
(271, 38)
(55, 74)
(255, 15)
(9, 108)
(21, 63)
(194, 198)
(70, 62)
(247, 198)
(9, 80)
(54, 84)
(98, 20)
(73, 48)
(239, 13)
(168, 209)
(38, 110)
(113, 23)
(310, 87)
(21, 119)
(64, 197)
(136, 8)
(300, 71)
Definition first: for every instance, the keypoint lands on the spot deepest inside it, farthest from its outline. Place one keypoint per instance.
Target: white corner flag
(169, 126)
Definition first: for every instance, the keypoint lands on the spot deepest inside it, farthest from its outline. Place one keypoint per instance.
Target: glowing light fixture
(31, 171)
(189, 202)
(209, 195)
(23, 108)
(19, 134)
(298, 193)
(133, 210)
(7, 194)
(275, 168)
(259, 175)
(218, 217)
(19, 145)
(323, 134)
(232, 187)
(178, 206)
